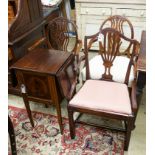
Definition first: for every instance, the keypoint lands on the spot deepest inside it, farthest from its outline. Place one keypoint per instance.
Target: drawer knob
(142, 14)
(124, 14)
(103, 12)
(86, 11)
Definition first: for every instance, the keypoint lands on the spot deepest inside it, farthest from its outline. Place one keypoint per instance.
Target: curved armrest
(134, 105)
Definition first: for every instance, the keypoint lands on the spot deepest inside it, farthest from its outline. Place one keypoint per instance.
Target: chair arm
(133, 97)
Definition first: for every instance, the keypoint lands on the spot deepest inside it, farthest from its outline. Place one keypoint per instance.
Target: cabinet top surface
(113, 1)
(43, 61)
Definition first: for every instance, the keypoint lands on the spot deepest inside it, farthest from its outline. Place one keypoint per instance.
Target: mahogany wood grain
(38, 72)
(27, 22)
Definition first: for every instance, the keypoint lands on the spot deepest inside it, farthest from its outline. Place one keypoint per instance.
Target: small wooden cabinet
(44, 76)
(91, 13)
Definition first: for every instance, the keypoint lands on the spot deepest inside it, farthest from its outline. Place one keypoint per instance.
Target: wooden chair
(124, 26)
(119, 23)
(105, 97)
(62, 35)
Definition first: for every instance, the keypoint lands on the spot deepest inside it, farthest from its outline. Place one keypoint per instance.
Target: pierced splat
(118, 23)
(110, 42)
(124, 26)
(108, 51)
(58, 33)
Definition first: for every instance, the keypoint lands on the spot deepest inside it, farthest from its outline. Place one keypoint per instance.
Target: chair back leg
(71, 123)
(129, 127)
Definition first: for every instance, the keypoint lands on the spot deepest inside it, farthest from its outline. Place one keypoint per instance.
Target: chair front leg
(71, 122)
(129, 128)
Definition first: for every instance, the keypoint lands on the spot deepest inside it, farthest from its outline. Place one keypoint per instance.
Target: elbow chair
(106, 97)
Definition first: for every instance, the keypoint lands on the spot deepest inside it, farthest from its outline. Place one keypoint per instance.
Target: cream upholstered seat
(116, 97)
(118, 69)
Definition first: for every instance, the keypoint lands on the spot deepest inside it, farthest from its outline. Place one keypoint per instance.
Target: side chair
(125, 27)
(62, 35)
(111, 99)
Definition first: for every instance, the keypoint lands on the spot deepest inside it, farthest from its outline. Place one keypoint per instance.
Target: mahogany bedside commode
(37, 74)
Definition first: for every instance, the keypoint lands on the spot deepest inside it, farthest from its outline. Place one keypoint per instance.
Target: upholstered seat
(103, 96)
(118, 69)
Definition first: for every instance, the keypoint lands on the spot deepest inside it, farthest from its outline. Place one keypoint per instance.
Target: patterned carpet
(45, 138)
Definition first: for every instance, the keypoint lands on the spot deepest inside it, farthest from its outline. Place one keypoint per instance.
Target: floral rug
(45, 137)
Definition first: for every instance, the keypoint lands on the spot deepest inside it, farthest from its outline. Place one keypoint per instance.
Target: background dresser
(91, 13)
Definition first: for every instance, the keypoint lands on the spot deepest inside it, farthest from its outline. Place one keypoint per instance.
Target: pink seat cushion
(103, 96)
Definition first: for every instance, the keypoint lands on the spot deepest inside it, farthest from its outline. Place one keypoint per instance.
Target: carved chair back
(123, 25)
(59, 33)
(110, 42)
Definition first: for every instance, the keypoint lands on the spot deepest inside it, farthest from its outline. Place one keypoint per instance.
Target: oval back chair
(62, 35)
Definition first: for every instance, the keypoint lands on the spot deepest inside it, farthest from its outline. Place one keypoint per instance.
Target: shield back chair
(110, 99)
(124, 26)
(62, 35)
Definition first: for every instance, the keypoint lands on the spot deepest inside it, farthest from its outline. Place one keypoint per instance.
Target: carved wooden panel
(29, 13)
(110, 42)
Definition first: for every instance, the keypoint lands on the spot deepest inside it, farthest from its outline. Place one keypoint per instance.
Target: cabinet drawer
(131, 12)
(96, 11)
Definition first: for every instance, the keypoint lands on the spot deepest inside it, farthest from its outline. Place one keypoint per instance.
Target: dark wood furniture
(105, 97)
(25, 29)
(120, 23)
(141, 64)
(38, 75)
(49, 13)
(12, 137)
(124, 26)
(62, 35)
(27, 22)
